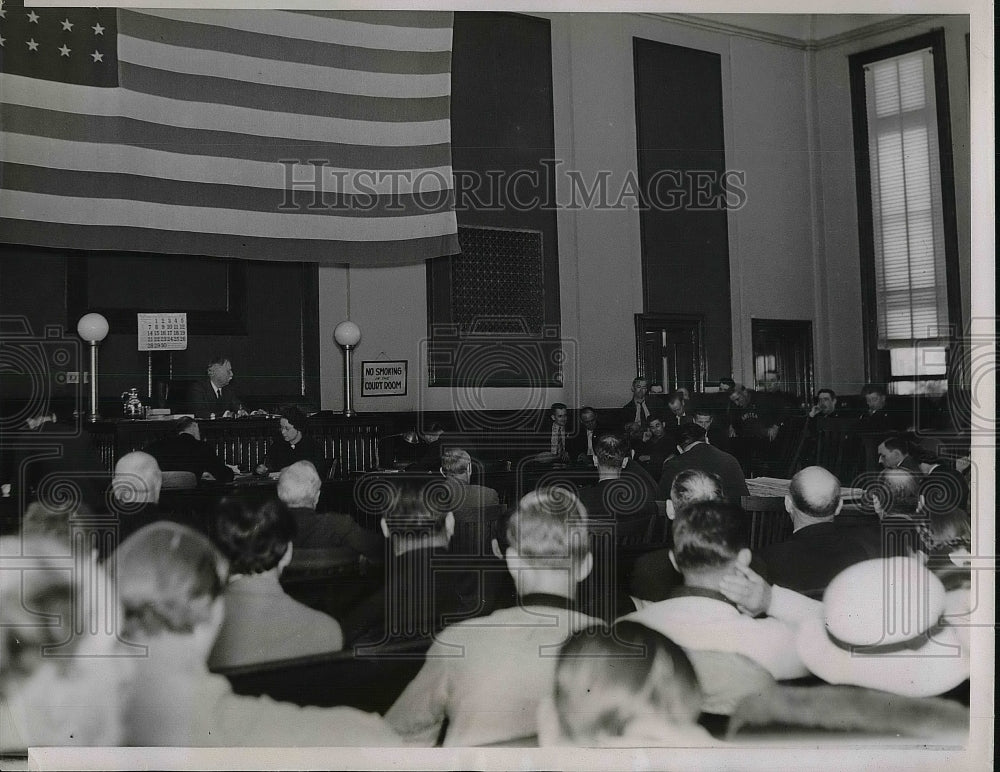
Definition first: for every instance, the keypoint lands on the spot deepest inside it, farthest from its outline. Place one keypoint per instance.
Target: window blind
(910, 282)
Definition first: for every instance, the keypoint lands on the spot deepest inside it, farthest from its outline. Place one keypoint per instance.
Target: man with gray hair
(470, 499)
(327, 536)
(819, 548)
(135, 497)
(136, 481)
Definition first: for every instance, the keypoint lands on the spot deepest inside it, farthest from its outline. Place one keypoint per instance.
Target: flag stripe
(151, 27)
(108, 129)
(256, 96)
(202, 144)
(273, 72)
(215, 169)
(144, 214)
(196, 115)
(415, 19)
(299, 201)
(303, 28)
(89, 237)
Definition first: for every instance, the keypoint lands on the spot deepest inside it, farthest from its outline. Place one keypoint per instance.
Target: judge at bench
(213, 395)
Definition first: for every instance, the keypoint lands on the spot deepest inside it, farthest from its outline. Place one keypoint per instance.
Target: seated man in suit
(876, 417)
(580, 445)
(895, 452)
(823, 418)
(135, 493)
(696, 453)
(213, 395)
(819, 548)
(185, 451)
(639, 408)
(488, 686)
(334, 533)
(469, 500)
(422, 591)
(677, 415)
(135, 500)
(716, 430)
(661, 445)
(262, 622)
(653, 575)
(558, 452)
(615, 494)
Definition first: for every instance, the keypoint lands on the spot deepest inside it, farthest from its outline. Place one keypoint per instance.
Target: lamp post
(93, 328)
(348, 335)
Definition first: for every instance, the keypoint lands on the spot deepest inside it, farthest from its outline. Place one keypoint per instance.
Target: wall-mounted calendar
(163, 332)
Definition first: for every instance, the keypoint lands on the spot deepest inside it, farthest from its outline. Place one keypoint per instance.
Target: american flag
(312, 135)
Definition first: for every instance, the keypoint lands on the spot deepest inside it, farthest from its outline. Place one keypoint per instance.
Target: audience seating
(370, 683)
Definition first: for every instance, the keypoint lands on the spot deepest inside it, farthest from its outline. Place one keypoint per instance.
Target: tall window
(907, 220)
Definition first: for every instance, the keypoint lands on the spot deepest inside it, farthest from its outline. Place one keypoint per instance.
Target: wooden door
(784, 347)
(669, 350)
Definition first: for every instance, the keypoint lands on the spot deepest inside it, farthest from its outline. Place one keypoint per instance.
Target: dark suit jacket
(576, 442)
(628, 410)
(808, 561)
(333, 531)
(707, 459)
(624, 497)
(202, 400)
(183, 453)
(422, 594)
(658, 452)
(882, 421)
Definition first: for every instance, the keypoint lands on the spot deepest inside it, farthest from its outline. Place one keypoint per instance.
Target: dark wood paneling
(503, 138)
(265, 320)
(685, 237)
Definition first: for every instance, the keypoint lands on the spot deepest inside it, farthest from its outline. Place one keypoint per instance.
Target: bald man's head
(137, 479)
(815, 493)
(299, 485)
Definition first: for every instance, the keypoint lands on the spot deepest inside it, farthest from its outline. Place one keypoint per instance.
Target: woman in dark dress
(293, 446)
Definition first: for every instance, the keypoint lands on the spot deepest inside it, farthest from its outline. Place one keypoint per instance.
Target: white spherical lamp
(93, 328)
(347, 334)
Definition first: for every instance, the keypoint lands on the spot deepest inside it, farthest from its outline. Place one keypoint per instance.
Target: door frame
(647, 322)
(790, 324)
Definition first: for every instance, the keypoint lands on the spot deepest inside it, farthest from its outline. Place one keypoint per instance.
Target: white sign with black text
(383, 378)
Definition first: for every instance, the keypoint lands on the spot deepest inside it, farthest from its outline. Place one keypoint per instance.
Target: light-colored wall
(793, 246)
(837, 186)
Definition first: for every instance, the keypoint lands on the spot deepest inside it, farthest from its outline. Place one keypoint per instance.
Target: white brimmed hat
(882, 629)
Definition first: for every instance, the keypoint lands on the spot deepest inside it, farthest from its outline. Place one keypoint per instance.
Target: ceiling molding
(869, 30)
(877, 28)
(728, 29)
